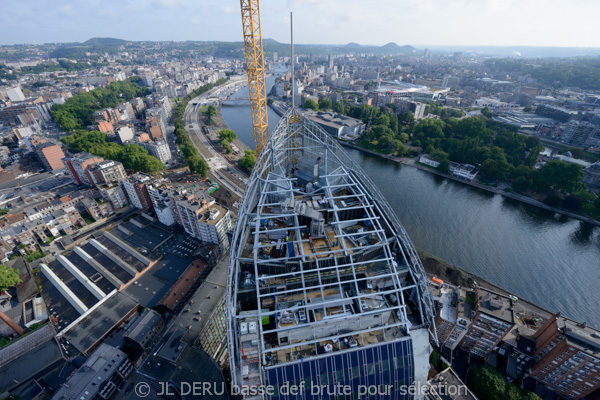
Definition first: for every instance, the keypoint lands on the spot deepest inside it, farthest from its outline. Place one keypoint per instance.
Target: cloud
(68, 10)
(166, 3)
(229, 10)
(416, 22)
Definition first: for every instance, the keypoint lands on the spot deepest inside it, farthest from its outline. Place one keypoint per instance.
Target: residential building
(14, 93)
(135, 187)
(555, 112)
(592, 175)
(145, 331)
(105, 127)
(77, 166)
(465, 171)
(201, 217)
(51, 156)
(567, 358)
(159, 149)
(99, 377)
(106, 171)
(163, 206)
(93, 208)
(114, 193)
(25, 113)
(493, 319)
(418, 109)
(156, 131)
(577, 133)
(125, 134)
(4, 154)
(338, 125)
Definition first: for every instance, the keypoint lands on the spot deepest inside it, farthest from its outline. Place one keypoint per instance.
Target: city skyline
(419, 23)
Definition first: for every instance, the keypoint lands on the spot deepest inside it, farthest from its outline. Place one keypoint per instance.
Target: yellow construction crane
(256, 71)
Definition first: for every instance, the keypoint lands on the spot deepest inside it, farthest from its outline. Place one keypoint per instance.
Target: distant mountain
(391, 46)
(93, 45)
(395, 48)
(352, 45)
(104, 41)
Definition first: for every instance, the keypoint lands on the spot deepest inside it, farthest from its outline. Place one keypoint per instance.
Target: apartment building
(159, 149)
(162, 204)
(78, 164)
(493, 319)
(135, 186)
(107, 171)
(202, 218)
(114, 193)
(567, 357)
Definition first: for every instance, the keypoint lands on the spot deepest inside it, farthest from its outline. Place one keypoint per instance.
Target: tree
(520, 171)
(324, 104)
(439, 155)
(470, 127)
(522, 184)
(400, 148)
(572, 203)
(339, 107)
(561, 176)
(226, 146)
(310, 104)
(248, 160)
(211, 111)
(486, 112)
(553, 200)
(8, 277)
(597, 203)
(386, 144)
(227, 134)
(430, 128)
(407, 118)
(77, 112)
(497, 170)
(198, 166)
(133, 156)
(486, 383)
(444, 166)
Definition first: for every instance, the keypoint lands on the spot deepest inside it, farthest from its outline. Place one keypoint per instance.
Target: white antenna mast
(292, 60)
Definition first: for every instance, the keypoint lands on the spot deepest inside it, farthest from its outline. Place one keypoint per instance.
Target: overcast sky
(415, 22)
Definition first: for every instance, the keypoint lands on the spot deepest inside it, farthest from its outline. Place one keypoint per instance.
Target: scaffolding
(319, 263)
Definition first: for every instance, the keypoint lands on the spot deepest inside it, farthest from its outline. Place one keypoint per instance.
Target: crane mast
(256, 71)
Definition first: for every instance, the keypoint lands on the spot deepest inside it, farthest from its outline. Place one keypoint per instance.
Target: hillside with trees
(77, 111)
(133, 156)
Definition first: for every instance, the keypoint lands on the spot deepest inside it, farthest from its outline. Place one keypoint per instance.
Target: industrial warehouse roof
(86, 333)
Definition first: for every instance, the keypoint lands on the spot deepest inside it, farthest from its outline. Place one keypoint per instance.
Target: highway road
(235, 178)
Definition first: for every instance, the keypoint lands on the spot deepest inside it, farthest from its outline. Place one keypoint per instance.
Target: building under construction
(324, 287)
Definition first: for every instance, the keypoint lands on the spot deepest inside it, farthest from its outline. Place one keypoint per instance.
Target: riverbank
(459, 277)
(502, 192)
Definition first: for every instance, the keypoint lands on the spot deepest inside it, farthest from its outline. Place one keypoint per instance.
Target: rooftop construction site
(321, 268)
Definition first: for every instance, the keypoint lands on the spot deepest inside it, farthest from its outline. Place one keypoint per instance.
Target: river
(546, 258)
